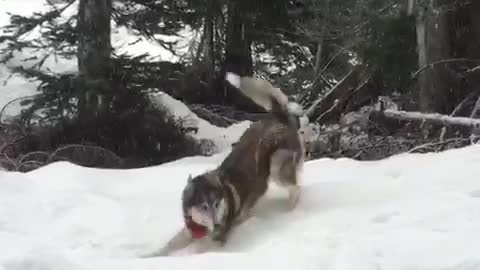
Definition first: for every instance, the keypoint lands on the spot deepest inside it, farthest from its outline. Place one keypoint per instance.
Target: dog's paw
(294, 193)
(244, 216)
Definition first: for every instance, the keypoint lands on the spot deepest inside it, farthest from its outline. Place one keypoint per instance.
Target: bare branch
(311, 109)
(476, 109)
(360, 86)
(477, 68)
(83, 148)
(430, 147)
(12, 101)
(460, 105)
(443, 61)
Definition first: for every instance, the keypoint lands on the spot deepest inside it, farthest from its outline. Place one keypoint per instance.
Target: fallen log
(434, 118)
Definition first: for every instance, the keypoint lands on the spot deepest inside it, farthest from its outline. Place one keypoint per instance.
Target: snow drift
(410, 211)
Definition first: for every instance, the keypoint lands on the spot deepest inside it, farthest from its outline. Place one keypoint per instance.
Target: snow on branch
(432, 117)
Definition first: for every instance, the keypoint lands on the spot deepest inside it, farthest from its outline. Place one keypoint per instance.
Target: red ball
(198, 231)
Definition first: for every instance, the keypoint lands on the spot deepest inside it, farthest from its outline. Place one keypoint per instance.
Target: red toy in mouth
(198, 231)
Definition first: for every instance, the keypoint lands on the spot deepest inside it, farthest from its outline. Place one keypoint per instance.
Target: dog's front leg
(181, 240)
(245, 214)
(220, 235)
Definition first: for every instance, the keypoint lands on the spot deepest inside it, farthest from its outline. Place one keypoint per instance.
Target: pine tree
(106, 102)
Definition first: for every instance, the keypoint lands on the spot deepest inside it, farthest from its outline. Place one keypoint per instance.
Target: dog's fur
(224, 197)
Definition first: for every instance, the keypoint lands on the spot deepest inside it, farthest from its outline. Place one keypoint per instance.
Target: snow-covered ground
(411, 211)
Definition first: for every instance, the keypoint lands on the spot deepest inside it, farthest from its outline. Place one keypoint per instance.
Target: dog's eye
(218, 203)
(204, 206)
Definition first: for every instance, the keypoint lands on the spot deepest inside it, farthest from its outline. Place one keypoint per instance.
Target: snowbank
(407, 212)
(221, 137)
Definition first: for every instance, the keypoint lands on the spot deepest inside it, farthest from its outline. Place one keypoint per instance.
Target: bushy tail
(270, 98)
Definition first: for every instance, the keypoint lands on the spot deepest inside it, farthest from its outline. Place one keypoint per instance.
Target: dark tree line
(335, 57)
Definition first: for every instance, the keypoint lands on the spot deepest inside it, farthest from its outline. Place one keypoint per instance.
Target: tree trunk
(94, 62)
(474, 9)
(410, 7)
(209, 48)
(320, 42)
(433, 45)
(238, 55)
(238, 51)
(422, 60)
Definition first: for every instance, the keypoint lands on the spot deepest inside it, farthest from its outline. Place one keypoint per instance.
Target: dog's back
(269, 148)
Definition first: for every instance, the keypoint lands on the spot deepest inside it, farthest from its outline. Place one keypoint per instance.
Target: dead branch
(462, 103)
(444, 61)
(36, 155)
(458, 108)
(476, 109)
(2, 111)
(309, 112)
(8, 160)
(344, 98)
(477, 68)
(436, 146)
(29, 165)
(79, 153)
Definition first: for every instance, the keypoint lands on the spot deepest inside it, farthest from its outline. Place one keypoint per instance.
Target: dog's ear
(190, 178)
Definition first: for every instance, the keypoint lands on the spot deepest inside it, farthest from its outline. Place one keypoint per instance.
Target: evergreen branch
(28, 24)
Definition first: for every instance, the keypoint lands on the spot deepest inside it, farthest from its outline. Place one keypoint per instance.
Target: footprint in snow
(394, 173)
(384, 218)
(475, 193)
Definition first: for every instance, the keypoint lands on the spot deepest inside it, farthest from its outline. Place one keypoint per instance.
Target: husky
(272, 148)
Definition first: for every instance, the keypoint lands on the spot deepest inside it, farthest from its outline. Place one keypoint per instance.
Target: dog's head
(204, 202)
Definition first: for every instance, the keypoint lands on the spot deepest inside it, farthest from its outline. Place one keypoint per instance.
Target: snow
(223, 138)
(411, 211)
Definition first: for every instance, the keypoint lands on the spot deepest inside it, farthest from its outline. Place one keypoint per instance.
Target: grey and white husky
(216, 201)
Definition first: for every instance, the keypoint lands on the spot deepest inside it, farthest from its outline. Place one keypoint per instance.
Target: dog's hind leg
(294, 194)
(285, 167)
(293, 173)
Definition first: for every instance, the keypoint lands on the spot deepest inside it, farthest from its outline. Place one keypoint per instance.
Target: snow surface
(412, 211)
(407, 212)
